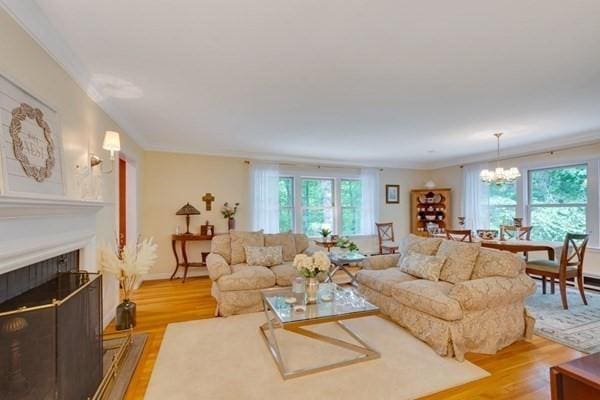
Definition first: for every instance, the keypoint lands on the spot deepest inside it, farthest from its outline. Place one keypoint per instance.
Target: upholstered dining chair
(460, 235)
(385, 238)
(569, 266)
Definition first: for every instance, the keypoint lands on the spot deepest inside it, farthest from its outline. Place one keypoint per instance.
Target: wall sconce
(112, 143)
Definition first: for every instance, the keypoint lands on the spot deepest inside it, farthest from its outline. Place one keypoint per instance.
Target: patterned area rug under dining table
(577, 328)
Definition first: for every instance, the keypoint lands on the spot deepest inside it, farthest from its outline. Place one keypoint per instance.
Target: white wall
(452, 177)
(83, 124)
(171, 179)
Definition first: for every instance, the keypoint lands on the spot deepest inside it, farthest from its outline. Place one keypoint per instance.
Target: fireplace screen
(51, 340)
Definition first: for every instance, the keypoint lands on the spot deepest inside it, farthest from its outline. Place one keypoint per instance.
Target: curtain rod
(539, 153)
(314, 165)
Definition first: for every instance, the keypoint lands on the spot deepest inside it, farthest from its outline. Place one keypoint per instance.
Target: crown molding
(33, 21)
(558, 144)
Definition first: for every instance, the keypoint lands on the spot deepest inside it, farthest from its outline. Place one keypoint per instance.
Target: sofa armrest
(217, 266)
(484, 293)
(384, 261)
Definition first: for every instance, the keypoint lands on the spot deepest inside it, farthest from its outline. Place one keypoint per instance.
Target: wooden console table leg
(185, 260)
(174, 247)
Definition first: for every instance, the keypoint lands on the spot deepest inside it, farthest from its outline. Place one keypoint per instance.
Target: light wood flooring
(518, 372)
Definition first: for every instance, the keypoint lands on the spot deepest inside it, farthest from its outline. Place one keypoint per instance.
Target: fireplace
(50, 331)
(51, 301)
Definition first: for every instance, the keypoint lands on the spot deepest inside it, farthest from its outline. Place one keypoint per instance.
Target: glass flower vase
(312, 290)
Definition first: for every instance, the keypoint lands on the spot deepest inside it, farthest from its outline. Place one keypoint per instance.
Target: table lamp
(188, 210)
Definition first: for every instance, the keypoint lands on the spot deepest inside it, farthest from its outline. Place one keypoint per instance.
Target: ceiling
(371, 82)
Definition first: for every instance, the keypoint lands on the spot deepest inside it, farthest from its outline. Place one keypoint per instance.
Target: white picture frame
(35, 167)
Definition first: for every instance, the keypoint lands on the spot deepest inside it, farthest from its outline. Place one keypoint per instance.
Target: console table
(185, 263)
(576, 380)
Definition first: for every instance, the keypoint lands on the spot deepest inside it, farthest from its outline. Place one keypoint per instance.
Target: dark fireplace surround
(50, 331)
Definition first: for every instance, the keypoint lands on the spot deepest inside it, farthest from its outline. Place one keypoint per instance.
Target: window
(558, 201)
(317, 196)
(502, 205)
(351, 199)
(286, 204)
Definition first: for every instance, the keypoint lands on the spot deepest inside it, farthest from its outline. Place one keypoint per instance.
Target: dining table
(525, 246)
(552, 249)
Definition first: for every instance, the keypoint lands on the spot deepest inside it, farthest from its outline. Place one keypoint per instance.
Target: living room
(299, 199)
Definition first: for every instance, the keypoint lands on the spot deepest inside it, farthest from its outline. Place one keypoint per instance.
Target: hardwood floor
(520, 371)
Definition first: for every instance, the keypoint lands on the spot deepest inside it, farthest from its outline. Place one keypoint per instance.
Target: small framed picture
(392, 194)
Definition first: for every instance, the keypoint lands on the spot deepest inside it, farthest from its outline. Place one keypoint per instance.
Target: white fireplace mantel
(35, 229)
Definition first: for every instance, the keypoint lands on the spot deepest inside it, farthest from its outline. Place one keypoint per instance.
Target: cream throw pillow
(460, 260)
(422, 266)
(286, 241)
(241, 239)
(416, 244)
(264, 256)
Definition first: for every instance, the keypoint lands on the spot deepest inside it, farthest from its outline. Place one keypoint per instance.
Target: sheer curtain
(264, 196)
(369, 178)
(475, 198)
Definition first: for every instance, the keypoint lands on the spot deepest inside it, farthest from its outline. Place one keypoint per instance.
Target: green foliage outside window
(558, 199)
(351, 199)
(502, 204)
(286, 204)
(317, 205)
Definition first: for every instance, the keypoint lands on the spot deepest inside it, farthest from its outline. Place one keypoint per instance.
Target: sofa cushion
(221, 245)
(492, 262)
(241, 239)
(460, 260)
(286, 241)
(264, 256)
(284, 273)
(428, 297)
(247, 277)
(421, 266)
(381, 261)
(382, 280)
(301, 241)
(417, 244)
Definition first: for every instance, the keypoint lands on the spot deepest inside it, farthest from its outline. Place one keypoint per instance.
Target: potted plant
(325, 232)
(128, 263)
(228, 213)
(310, 268)
(347, 244)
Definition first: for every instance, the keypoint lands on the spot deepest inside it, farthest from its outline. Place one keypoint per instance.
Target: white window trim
(336, 175)
(593, 195)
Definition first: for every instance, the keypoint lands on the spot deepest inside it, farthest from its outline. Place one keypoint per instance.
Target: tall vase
(312, 290)
(231, 223)
(125, 315)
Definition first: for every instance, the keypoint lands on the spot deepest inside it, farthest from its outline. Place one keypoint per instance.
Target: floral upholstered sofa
(236, 285)
(457, 297)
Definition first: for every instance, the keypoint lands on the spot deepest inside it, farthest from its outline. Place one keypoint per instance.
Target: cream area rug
(227, 358)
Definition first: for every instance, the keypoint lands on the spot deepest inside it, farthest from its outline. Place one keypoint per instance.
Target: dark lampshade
(188, 210)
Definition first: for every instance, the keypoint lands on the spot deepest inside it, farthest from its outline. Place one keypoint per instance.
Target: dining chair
(508, 232)
(460, 235)
(385, 238)
(569, 266)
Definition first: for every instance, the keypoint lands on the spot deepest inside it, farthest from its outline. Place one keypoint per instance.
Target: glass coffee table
(344, 304)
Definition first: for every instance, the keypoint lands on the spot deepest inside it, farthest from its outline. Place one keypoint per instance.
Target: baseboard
(192, 273)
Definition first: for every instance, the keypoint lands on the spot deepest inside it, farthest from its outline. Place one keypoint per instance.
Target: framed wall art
(392, 194)
(31, 148)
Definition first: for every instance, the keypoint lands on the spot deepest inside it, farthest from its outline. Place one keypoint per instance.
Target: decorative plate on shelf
(437, 198)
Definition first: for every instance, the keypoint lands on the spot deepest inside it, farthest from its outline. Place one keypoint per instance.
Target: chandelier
(499, 176)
